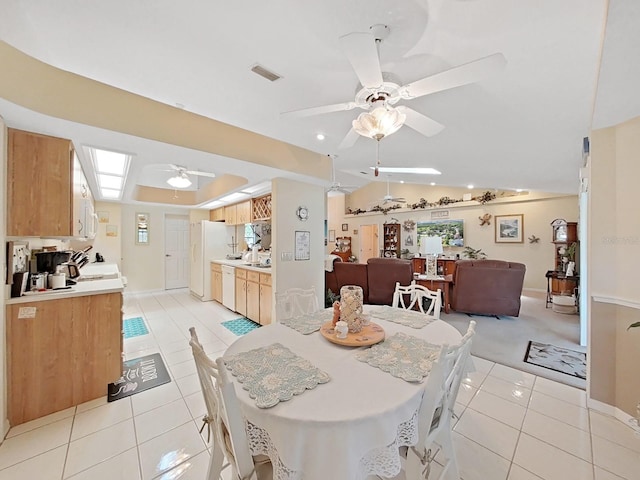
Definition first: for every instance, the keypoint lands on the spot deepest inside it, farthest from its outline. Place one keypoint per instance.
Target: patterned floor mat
(240, 326)
(557, 358)
(134, 327)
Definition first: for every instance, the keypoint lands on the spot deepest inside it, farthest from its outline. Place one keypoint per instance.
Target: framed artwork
(450, 231)
(103, 217)
(112, 230)
(509, 228)
(345, 227)
(332, 235)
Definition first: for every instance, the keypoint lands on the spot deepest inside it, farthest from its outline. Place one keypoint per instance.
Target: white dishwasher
(229, 287)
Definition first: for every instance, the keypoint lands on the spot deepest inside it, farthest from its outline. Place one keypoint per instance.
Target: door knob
(167, 255)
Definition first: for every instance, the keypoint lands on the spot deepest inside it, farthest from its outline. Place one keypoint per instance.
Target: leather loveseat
(377, 277)
(487, 287)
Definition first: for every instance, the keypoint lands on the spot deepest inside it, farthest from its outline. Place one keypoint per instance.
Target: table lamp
(431, 247)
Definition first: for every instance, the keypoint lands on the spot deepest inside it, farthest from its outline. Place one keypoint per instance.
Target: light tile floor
(512, 425)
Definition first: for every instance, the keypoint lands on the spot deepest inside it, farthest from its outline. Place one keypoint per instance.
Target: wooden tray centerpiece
(369, 335)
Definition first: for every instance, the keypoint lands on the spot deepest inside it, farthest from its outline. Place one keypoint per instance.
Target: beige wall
(108, 246)
(286, 196)
(614, 259)
(143, 265)
(4, 291)
(539, 211)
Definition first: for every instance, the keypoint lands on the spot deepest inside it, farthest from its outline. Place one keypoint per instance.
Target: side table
(444, 284)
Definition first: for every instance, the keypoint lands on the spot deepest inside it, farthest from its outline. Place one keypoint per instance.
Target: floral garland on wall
(482, 199)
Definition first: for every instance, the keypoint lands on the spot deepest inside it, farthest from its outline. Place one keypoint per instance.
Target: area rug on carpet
(134, 327)
(138, 375)
(555, 358)
(240, 326)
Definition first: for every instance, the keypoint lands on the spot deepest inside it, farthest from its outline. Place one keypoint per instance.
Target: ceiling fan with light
(337, 186)
(379, 91)
(388, 198)
(181, 178)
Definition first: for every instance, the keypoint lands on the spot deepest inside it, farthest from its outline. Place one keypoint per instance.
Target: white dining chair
(410, 296)
(436, 410)
(232, 433)
(294, 302)
(212, 377)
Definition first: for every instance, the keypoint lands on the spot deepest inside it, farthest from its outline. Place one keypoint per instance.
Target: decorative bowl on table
(369, 335)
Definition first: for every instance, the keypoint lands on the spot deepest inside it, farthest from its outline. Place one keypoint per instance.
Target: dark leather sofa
(377, 277)
(487, 287)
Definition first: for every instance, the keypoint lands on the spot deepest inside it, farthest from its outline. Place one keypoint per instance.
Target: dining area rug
(138, 375)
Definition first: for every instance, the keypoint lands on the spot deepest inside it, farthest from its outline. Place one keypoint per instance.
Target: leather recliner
(382, 274)
(487, 287)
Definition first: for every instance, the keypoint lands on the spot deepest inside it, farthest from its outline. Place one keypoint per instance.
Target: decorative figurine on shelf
(570, 267)
(336, 313)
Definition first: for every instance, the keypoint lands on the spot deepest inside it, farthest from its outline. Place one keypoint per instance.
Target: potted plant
(473, 254)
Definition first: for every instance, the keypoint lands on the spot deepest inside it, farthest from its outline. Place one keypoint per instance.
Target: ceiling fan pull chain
(376, 171)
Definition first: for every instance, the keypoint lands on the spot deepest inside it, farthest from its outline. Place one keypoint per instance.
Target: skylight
(111, 171)
(415, 170)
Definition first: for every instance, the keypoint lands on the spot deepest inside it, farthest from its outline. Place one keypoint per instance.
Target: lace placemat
(273, 374)
(402, 356)
(408, 318)
(310, 323)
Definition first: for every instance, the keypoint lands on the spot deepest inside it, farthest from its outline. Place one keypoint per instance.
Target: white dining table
(348, 428)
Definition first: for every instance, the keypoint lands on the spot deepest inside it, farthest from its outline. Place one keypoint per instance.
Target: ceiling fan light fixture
(179, 181)
(379, 123)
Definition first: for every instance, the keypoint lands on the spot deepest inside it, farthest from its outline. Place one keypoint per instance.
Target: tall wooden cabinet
(391, 240)
(216, 282)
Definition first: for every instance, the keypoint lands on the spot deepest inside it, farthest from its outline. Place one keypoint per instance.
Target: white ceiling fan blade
(455, 77)
(200, 174)
(349, 140)
(362, 53)
(308, 112)
(419, 122)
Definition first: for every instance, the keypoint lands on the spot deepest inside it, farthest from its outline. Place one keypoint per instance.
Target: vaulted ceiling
(521, 127)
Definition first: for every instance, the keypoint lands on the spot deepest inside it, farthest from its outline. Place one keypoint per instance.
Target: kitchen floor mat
(138, 375)
(240, 326)
(555, 358)
(134, 327)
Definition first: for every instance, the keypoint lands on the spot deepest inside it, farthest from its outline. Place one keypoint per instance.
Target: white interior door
(176, 251)
(368, 242)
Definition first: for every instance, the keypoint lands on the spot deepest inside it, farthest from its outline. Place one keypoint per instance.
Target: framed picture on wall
(509, 228)
(345, 227)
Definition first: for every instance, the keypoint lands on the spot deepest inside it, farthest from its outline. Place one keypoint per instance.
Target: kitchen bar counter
(241, 264)
(91, 285)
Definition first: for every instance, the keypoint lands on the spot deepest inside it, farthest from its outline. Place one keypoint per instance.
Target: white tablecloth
(348, 427)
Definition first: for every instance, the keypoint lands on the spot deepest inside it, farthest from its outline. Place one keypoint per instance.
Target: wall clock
(302, 213)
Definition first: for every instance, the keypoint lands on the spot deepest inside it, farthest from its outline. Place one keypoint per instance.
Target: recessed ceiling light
(469, 186)
(432, 183)
(519, 190)
(401, 181)
(257, 188)
(320, 136)
(415, 170)
(110, 193)
(214, 204)
(234, 197)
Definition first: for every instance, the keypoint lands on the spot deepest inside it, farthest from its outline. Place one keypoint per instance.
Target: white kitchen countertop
(241, 264)
(95, 286)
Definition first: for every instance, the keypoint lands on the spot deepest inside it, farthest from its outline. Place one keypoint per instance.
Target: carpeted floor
(505, 340)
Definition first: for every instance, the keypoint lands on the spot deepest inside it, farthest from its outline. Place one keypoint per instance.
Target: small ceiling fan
(337, 186)
(379, 91)
(181, 177)
(388, 198)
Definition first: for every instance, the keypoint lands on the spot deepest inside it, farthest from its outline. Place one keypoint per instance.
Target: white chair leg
(215, 463)
(446, 444)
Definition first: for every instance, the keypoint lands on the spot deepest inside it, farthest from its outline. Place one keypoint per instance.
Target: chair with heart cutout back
(416, 296)
(225, 419)
(295, 302)
(436, 410)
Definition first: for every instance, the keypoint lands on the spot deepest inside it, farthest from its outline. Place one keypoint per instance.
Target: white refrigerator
(208, 241)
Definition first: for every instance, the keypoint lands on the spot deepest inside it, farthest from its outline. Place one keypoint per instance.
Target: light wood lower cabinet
(216, 282)
(61, 353)
(241, 291)
(254, 301)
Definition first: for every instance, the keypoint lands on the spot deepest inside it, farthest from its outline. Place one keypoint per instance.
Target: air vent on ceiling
(263, 72)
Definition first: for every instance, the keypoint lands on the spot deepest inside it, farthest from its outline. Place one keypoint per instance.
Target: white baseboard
(615, 412)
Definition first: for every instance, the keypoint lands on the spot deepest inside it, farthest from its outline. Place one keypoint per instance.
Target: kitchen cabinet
(266, 299)
(216, 215)
(261, 207)
(243, 212)
(254, 295)
(230, 214)
(241, 291)
(39, 185)
(61, 353)
(216, 282)
(85, 220)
